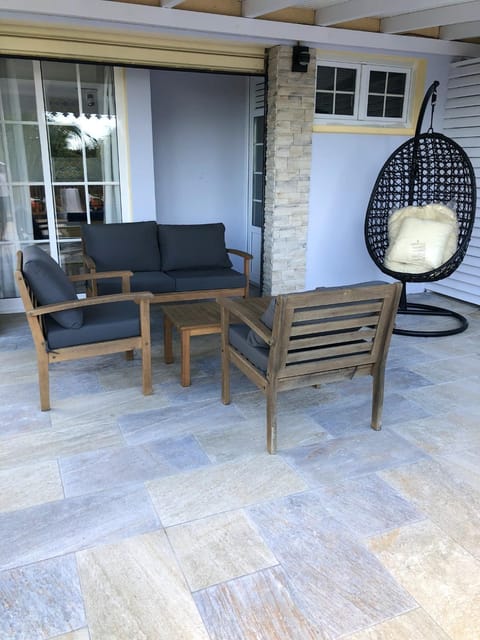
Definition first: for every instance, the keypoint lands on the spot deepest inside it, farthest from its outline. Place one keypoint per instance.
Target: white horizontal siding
(462, 124)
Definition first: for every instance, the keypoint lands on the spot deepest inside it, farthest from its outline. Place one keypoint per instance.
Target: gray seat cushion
(154, 281)
(50, 284)
(199, 279)
(193, 246)
(123, 245)
(238, 338)
(109, 321)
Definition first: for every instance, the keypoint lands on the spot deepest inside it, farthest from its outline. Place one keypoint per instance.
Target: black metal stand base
(430, 310)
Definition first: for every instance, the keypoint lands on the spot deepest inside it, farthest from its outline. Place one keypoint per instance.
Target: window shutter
(462, 124)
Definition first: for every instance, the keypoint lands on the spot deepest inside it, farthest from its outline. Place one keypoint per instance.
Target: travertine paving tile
(442, 577)
(68, 525)
(464, 465)
(451, 504)
(134, 589)
(219, 548)
(351, 413)
(23, 487)
(367, 505)
(79, 634)
(335, 581)
(440, 398)
(41, 600)
(255, 607)
(444, 433)
(338, 459)
(233, 485)
(19, 418)
(449, 369)
(414, 625)
(248, 437)
(176, 420)
(47, 444)
(113, 467)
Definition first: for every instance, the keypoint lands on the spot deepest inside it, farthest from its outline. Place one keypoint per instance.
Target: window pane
(21, 215)
(23, 149)
(66, 151)
(257, 186)
(375, 106)
(258, 128)
(396, 83)
(17, 90)
(344, 104)
(60, 87)
(326, 78)
(96, 201)
(257, 215)
(39, 213)
(377, 82)
(71, 258)
(346, 80)
(324, 103)
(393, 107)
(258, 158)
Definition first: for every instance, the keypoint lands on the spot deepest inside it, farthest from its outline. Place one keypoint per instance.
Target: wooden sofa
(173, 262)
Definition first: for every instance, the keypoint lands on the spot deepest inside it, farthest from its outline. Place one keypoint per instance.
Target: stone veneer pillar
(290, 109)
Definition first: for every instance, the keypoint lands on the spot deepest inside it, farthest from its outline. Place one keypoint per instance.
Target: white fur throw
(421, 238)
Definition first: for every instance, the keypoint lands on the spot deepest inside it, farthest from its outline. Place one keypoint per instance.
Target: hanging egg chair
(428, 169)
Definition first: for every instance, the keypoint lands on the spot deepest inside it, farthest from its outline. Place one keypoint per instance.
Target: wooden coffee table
(195, 319)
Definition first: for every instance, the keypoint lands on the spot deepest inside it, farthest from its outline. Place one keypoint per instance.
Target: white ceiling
(430, 26)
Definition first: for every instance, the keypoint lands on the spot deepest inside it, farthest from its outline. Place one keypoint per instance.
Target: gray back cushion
(193, 246)
(50, 284)
(267, 318)
(123, 245)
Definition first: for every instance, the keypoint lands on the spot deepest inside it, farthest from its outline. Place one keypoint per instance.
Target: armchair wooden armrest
(138, 297)
(247, 258)
(248, 311)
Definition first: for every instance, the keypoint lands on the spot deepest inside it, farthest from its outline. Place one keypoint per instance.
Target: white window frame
(359, 120)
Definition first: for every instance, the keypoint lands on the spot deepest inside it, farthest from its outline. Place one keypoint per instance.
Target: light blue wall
(344, 170)
(200, 140)
(140, 144)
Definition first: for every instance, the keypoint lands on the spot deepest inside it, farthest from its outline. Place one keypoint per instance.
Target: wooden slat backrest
(331, 329)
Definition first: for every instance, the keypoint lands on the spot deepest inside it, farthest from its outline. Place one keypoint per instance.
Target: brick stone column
(290, 109)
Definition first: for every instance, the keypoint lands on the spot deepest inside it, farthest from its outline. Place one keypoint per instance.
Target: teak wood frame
(45, 357)
(320, 336)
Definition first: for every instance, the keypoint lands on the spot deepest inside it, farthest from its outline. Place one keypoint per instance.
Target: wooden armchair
(66, 328)
(304, 339)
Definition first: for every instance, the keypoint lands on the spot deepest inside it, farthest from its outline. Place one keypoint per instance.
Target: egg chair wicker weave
(428, 168)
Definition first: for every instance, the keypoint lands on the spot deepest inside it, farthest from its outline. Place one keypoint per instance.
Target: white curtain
(15, 204)
(110, 150)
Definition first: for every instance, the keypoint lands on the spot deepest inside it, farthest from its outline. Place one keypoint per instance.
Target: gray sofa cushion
(238, 338)
(154, 281)
(193, 246)
(50, 284)
(199, 279)
(123, 245)
(102, 322)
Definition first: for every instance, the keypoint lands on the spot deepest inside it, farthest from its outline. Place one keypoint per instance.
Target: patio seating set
(281, 343)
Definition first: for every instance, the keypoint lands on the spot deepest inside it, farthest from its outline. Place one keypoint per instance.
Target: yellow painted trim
(118, 47)
(419, 70)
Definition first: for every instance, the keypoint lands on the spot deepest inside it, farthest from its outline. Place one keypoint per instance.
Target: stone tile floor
(125, 517)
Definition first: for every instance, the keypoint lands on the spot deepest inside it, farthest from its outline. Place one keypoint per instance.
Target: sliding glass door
(58, 159)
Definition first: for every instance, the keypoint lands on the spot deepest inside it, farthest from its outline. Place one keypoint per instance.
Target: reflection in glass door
(257, 176)
(58, 159)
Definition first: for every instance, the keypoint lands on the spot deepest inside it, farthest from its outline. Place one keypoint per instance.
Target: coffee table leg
(185, 351)
(167, 340)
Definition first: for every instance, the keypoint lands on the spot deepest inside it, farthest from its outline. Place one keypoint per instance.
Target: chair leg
(377, 398)
(271, 420)
(43, 381)
(146, 349)
(225, 377)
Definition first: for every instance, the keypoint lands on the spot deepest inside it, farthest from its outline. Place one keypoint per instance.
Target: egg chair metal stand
(426, 169)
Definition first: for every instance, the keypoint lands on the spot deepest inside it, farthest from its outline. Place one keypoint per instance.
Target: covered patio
(163, 517)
